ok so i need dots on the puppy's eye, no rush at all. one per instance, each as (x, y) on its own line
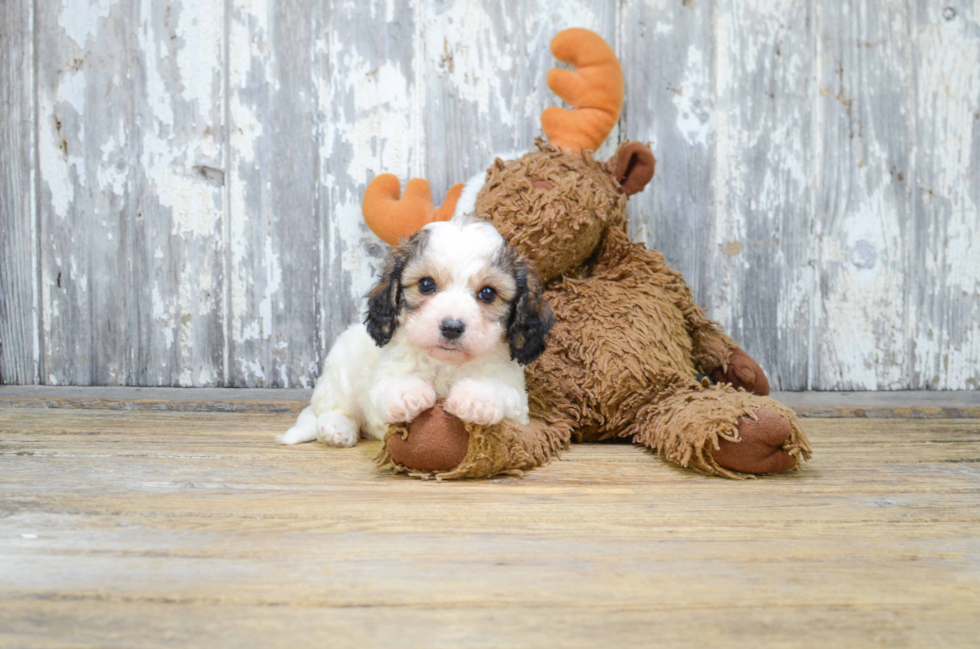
(427, 286)
(487, 294)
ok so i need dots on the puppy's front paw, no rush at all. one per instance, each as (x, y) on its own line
(474, 406)
(407, 402)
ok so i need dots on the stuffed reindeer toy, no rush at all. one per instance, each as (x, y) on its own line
(630, 353)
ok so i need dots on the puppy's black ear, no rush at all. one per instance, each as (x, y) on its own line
(530, 318)
(384, 300)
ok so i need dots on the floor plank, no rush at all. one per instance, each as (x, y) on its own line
(912, 404)
(190, 528)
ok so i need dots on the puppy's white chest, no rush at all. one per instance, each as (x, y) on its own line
(442, 377)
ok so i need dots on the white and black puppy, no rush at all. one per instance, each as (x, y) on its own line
(454, 315)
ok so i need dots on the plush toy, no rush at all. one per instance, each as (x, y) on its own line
(631, 352)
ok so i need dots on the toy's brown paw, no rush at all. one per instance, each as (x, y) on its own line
(760, 450)
(437, 441)
(743, 372)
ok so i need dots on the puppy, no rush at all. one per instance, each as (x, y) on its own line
(454, 315)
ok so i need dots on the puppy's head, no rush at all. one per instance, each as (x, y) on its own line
(459, 291)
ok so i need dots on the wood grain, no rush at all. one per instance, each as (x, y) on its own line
(667, 59)
(866, 91)
(762, 183)
(879, 405)
(181, 205)
(944, 257)
(193, 218)
(130, 152)
(187, 529)
(87, 108)
(273, 231)
(18, 240)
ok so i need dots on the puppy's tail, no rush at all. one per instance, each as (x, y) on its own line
(304, 430)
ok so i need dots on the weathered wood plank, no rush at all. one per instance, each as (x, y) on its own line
(158, 399)
(484, 75)
(865, 116)
(19, 342)
(88, 192)
(130, 125)
(91, 620)
(761, 251)
(179, 132)
(889, 405)
(369, 112)
(944, 264)
(667, 58)
(273, 231)
(200, 530)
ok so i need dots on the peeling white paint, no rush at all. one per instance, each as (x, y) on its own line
(458, 42)
(379, 130)
(273, 277)
(948, 103)
(695, 115)
(79, 19)
(57, 158)
(200, 33)
(162, 315)
(727, 180)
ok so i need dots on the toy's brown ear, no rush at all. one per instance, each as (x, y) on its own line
(634, 167)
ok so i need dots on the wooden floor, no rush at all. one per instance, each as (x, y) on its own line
(175, 526)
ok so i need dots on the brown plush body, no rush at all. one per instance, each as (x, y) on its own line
(629, 341)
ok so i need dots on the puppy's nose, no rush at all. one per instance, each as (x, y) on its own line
(451, 329)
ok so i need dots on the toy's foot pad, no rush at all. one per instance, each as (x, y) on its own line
(743, 372)
(760, 450)
(437, 441)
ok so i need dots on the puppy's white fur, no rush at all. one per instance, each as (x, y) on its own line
(364, 387)
(471, 189)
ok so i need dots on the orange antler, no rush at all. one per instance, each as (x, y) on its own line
(594, 90)
(393, 218)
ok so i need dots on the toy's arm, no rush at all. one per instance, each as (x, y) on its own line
(712, 350)
(711, 347)
(715, 354)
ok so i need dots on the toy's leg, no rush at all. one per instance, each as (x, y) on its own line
(720, 430)
(437, 445)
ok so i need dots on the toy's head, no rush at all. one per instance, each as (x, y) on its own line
(553, 204)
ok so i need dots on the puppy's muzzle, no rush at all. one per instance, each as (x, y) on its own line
(451, 329)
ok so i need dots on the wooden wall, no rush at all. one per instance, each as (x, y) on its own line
(180, 181)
